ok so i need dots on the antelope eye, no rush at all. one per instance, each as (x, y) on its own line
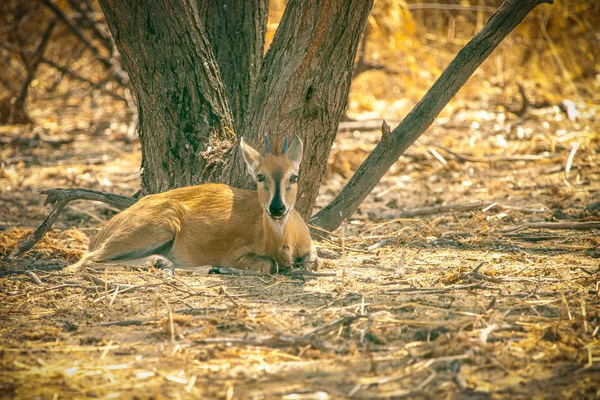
(260, 178)
(294, 178)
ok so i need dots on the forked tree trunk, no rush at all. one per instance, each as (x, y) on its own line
(195, 67)
(303, 86)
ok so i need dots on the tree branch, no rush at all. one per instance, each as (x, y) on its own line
(103, 37)
(64, 70)
(77, 32)
(32, 65)
(386, 153)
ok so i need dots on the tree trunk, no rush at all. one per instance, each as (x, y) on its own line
(185, 124)
(392, 145)
(303, 87)
(236, 31)
(194, 67)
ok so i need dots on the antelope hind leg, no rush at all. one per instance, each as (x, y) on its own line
(153, 261)
(127, 247)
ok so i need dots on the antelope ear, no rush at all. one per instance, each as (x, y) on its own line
(252, 158)
(294, 152)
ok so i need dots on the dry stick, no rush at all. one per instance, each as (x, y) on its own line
(331, 324)
(393, 145)
(33, 277)
(491, 159)
(39, 232)
(59, 198)
(555, 225)
(438, 290)
(283, 340)
(61, 286)
(128, 289)
(480, 205)
(302, 272)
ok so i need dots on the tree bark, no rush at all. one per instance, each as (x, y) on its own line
(393, 145)
(303, 87)
(185, 124)
(236, 32)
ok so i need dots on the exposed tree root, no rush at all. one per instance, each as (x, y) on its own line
(59, 198)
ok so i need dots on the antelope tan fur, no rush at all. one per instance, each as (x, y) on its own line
(215, 224)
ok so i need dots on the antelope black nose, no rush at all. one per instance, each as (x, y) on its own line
(277, 209)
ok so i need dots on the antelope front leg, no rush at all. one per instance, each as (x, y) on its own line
(309, 261)
(249, 264)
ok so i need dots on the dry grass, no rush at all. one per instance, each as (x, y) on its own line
(452, 304)
(473, 301)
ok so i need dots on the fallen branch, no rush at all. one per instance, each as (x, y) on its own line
(492, 159)
(593, 207)
(59, 198)
(480, 205)
(579, 226)
(54, 266)
(124, 289)
(267, 341)
(393, 145)
(535, 238)
(245, 272)
(128, 322)
(112, 286)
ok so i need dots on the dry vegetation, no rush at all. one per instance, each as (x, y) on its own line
(450, 281)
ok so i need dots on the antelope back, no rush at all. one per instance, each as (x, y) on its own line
(276, 176)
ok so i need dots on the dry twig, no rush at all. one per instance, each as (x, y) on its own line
(555, 225)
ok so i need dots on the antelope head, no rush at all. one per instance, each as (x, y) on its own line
(276, 176)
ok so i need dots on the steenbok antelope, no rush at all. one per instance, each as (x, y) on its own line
(214, 224)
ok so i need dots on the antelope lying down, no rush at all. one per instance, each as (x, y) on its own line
(214, 224)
